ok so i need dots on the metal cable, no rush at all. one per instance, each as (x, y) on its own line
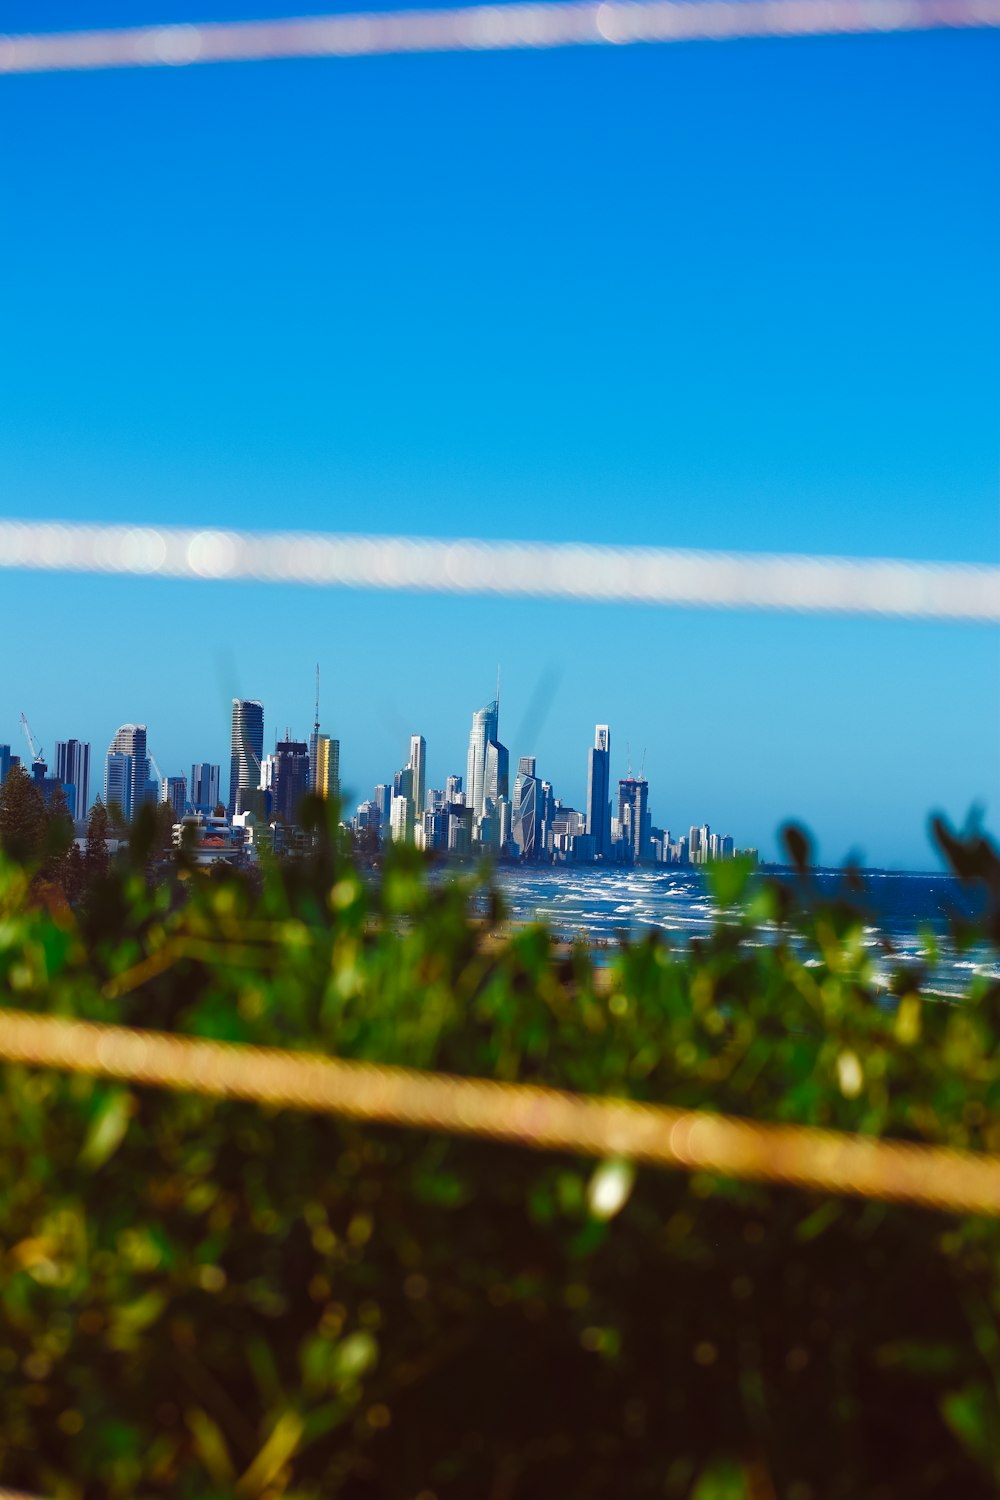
(631, 575)
(481, 28)
(539, 1118)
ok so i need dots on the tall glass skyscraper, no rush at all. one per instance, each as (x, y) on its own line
(327, 775)
(484, 729)
(205, 779)
(633, 816)
(118, 768)
(418, 765)
(130, 785)
(73, 770)
(496, 776)
(291, 779)
(599, 792)
(527, 814)
(247, 747)
(175, 792)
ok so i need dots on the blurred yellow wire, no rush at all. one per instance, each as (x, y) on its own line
(540, 1118)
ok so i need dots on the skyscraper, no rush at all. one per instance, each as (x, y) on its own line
(291, 779)
(247, 747)
(175, 792)
(6, 761)
(599, 792)
(484, 729)
(453, 789)
(401, 820)
(526, 812)
(402, 783)
(205, 779)
(383, 802)
(128, 785)
(326, 780)
(496, 775)
(418, 765)
(633, 817)
(73, 770)
(118, 781)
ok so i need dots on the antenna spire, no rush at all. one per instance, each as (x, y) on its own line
(498, 691)
(317, 698)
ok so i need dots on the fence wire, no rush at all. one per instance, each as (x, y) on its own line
(525, 1115)
(631, 575)
(482, 28)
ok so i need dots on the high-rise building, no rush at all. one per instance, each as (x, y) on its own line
(505, 824)
(129, 786)
(435, 825)
(418, 765)
(326, 779)
(383, 803)
(526, 820)
(73, 770)
(401, 820)
(453, 789)
(402, 783)
(205, 780)
(496, 774)
(694, 844)
(291, 779)
(366, 816)
(484, 729)
(599, 792)
(633, 817)
(118, 781)
(247, 747)
(459, 828)
(175, 792)
(6, 761)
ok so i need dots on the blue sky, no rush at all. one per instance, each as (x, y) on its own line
(724, 296)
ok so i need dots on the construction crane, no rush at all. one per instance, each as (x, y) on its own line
(37, 756)
(159, 774)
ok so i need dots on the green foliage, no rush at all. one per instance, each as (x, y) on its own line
(201, 1298)
(23, 824)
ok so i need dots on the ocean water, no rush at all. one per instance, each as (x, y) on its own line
(601, 904)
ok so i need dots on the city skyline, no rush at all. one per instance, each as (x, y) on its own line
(557, 735)
(272, 784)
(746, 300)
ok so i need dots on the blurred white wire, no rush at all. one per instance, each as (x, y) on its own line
(483, 28)
(625, 575)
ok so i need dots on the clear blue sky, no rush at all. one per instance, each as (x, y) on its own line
(734, 296)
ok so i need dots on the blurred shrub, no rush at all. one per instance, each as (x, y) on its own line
(203, 1298)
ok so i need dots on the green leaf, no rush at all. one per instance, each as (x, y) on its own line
(107, 1129)
(969, 1414)
(721, 1481)
(210, 1445)
(275, 1453)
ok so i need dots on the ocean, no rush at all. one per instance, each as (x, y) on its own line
(601, 904)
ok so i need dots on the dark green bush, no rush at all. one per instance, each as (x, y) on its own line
(203, 1298)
